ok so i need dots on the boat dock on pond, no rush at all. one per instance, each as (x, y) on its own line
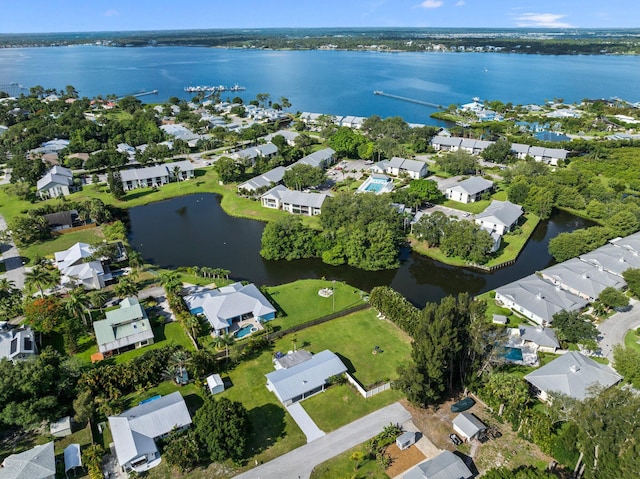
(410, 100)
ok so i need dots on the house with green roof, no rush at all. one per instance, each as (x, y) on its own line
(124, 329)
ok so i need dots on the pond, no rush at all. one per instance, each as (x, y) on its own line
(194, 231)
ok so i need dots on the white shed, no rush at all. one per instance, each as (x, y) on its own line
(62, 427)
(72, 458)
(405, 440)
(215, 384)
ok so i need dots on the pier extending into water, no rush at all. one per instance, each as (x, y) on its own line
(410, 100)
(140, 93)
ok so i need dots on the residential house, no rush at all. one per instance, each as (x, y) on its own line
(573, 375)
(445, 465)
(536, 338)
(227, 306)
(16, 344)
(474, 147)
(446, 143)
(612, 258)
(250, 155)
(150, 176)
(319, 159)
(296, 202)
(124, 328)
(36, 463)
(181, 132)
(58, 181)
(187, 171)
(288, 135)
(264, 181)
(62, 220)
(396, 166)
(582, 278)
(77, 268)
(136, 430)
(468, 426)
(304, 379)
(499, 216)
(537, 300)
(550, 156)
(469, 190)
(519, 150)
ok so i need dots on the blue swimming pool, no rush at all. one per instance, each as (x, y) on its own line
(513, 354)
(245, 331)
(376, 185)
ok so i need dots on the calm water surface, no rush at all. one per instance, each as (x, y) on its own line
(334, 82)
(195, 231)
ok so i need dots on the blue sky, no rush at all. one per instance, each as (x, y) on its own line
(20, 16)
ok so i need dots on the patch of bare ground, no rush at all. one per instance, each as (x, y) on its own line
(508, 450)
(402, 460)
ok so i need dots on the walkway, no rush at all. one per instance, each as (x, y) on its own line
(12, 260)
(300, 462)
(614, 328)
(304, 422)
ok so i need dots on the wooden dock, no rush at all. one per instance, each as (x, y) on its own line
(410, 100)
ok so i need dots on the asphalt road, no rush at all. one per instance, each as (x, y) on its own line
(12, 260)
(300, 462)
(613, 329)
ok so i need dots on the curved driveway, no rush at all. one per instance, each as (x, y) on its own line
(300, 462)
(614, 328)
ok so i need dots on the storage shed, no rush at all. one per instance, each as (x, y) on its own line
(215, 384)
(62, 427)
(405, 440)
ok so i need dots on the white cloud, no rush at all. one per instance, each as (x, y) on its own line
(111, 13)
(431, 4)
(460, 3)
(542, 20)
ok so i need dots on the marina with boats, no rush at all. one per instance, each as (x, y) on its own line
(212, 89)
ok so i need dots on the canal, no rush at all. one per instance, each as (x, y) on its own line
(194, 231)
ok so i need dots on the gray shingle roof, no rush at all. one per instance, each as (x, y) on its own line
(572, 374)
(451, 141)
(474, 185)
(312, 200)
(541, 336)
(445, 465)
(469, 424)
(36, 463)
(582, 276)
(306, 376)
(612, 258)
(501, 212)
(149, 172)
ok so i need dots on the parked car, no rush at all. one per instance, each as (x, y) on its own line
(455, 439)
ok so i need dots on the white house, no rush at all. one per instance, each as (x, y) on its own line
(136, 430)
(58, 181)
(77, 269)
(16, 344)
(396, 166)
(250, 155)
(270, 178)
(469, 190)
(157, 175)
(446, 143)
(534, 337)
(295, 202)
(288, 135)
(571, 374)
(468, 426)
(499, 216)
(320, 159)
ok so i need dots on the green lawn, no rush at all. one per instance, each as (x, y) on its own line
(342, 466)
(301, 303)
(164, 334)
(631, 340)
(62, 242)
(323, 407)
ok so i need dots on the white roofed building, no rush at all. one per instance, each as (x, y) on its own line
(58, 181)
(295, 202)
(499, 216)
(77, 268)
(395, 166)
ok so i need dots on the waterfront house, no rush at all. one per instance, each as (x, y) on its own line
(468, 426)
(573, 375)
(250, 155)
(612, 258)
(186, 172)
(469, 190)
(306, 378)
(499, 216)
(58, 181)
(262, 182)
(124, 328)
(38, 462)
(295, 202)
(445, 465)
(77, 268)
(156, 176)
(229, 306)
(582, 278)
(17, 343)
(534, 338)
(395, 166)
(537, 300)
(136, 430)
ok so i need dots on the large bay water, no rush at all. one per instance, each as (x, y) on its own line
(194, 231)
(334, 82)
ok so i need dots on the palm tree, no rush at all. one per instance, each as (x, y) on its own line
(7, 287)
(135, 260)
(126, 287)
(224, 341)
(268, 329)
(171, 282)
(176, 173)
(98, 298)
(77, 303)
(39, 277)
(177, 365)
(192, 323)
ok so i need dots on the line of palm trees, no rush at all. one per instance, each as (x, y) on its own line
(214, 273)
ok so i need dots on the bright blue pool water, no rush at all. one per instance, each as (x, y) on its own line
(513, 354)
(244, 331)
(375, 186)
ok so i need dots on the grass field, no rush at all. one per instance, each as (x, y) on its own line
(631, 340)
(343, 466)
